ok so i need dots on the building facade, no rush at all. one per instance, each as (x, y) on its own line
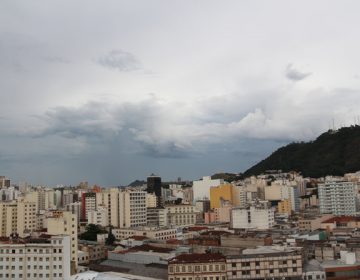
(337, 198)
(197, 267)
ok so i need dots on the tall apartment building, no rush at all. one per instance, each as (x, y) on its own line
(63, 222)
(156, 217)
(337, 198)
(44, 198)
(4, 182)
(132, 208)
(258, 216)
(181, 215)
(17, 217)
(40, 258)
(98, 217)
(75, 208)
(88, 204)
(110, 199)
(154, 186)
(151, 200)
(265, 262)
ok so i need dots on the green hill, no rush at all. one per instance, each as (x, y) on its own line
(332, 153)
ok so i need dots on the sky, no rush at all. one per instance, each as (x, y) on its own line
(112, 91)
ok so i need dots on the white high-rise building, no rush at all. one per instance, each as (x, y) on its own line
(337, 198)
(256, 216)
(201, 188)
(98, 217)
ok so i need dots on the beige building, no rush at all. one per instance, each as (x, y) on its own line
(17, 217)
(151, 200)
(265, 262)
(312, 223)
(197, 267)
(110, 199)
(63, 222)
(181, 215)
(132, 208)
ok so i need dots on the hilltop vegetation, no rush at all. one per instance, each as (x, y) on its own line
(332, 153)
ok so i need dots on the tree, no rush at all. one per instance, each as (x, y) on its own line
(91, 232)
(111, 238)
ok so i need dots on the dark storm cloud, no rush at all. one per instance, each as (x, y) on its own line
(294, 74)
(120, 60)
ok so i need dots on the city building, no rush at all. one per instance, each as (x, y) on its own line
(197, 266)
(46, 257)
(156, 217)
(17, 217)
(224, 192)
(154, 186)
(201, 188)
(284, 207)
(181, 215)
(88, 204)
(257, 216)
(98, 217)
(266, 262)
(132, 208)
(151, 233)
(337, 198)
(63, 222)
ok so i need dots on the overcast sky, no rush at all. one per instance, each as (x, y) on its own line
(111, 91)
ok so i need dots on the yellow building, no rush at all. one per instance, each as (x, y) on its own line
(222, 192)
(284, 207)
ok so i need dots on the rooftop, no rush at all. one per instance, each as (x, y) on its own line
(342, 219)
(197, 258)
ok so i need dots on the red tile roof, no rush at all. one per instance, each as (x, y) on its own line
(342, 219)
(197, 258)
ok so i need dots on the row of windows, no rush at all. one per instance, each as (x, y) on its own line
(199, 278)
(197, 268)
(13, 267)
(257, 263)
(271, 271)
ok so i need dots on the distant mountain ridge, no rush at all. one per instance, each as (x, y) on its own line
(332, 153)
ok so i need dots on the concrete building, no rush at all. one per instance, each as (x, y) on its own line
(151, 233)
(151, 200)
(98, 217)
(266, 262)
(337, 198)
(312, 223)
(88, 204)
(154, 186)
(110, 199)
(36, 258)
(75, 208)
(201, 188)
(181, 215)
(221, 193)
(17, 217)
(4, 182)
(256, 216)
(284, 207)
(63, 222)
(197, 266)
(132, 208)
(156, 217)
